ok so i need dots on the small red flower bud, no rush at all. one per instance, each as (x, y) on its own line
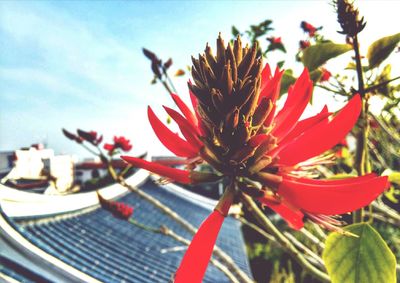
(304, 44)
(118, 209)
(326, 75)
(308, 28)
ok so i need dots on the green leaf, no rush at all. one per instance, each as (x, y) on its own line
(316, 55)
(381, 49)
(235, 31)
(366, 259)
(287, 80)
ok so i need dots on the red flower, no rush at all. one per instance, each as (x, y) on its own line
(118, 209)
(308, 28)
(326, 75)
(119, 143)
(275, 40)
(122, 143)
(304, 44)
(236, 130)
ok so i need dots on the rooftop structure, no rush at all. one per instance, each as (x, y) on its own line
(71, 239)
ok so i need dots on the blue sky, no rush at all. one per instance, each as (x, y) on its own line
(78, 64)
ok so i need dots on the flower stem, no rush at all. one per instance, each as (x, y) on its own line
(226, 200)
(361, 160)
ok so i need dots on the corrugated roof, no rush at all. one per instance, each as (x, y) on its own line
(113, 250)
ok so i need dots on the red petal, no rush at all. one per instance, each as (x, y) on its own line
(170, 140)
(271, 87)
(292, 216)
(178, 175)
(322, 136)
(196, 258)
(296, 102)
(108, 146)
(305, 124)
(195, 102)
(265, 76)
(189, 131)
(332, 196)
(185, 110)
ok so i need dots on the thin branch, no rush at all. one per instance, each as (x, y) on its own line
(330, 89)
(312, 257)
(374, 87)
(312, 238)
(384, 127)
(305, 249)
(283, 241)
(387, 211)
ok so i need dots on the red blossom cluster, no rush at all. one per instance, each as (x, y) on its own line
(308, 28)
(235, 127)
(118, 209)
(119, 143)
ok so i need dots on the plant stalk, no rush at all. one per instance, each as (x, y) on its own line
(286, 244)
(361, 160)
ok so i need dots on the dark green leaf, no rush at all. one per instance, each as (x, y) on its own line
(366, 259)
(381, 49)
(280, 64)
(235, 31)
(287, 80)
(316, 55)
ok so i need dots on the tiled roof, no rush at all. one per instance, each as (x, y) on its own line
(113, 250)
(11, 269)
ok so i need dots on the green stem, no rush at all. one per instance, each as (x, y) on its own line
(285, 243)
(164, 83)
(330, 90)
(89, 149)
(126, 169)
(373, 87)
(361, 162)
(226, 200)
